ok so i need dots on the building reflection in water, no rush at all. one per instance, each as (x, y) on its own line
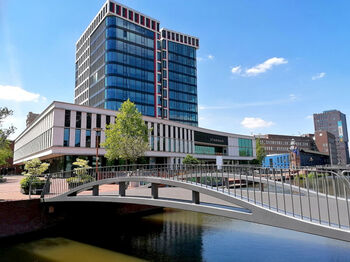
(172, 235)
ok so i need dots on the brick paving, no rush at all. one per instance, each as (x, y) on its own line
(10, 190)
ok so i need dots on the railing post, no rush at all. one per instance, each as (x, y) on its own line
(227, 185)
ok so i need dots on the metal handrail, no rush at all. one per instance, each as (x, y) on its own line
(321, 198)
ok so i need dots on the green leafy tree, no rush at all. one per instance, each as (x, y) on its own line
(81, 172)
(5, 153)
(5, 150)
(82, 166)
(190, 160)
(33, 168)
(260, 151)
(127, 138)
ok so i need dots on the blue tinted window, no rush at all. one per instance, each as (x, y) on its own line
(66, 137)
(77, 137)
(111, 32)
(88, 138)
(111, 20)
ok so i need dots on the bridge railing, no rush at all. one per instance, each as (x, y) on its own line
(315, 195)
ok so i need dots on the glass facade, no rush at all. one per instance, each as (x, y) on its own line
(245, 147)
(204, 150)
(182, 78)
(129, 65)
(128, 57)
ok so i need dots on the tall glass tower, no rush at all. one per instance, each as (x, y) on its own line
(179, 74)
(123, 55)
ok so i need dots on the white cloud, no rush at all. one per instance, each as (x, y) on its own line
(263, 67)
(208, 57)
(236, 70)
(292, 97)
(258, 69)
(18, 94)
(309, 117)
(319, 75)
(255, 122)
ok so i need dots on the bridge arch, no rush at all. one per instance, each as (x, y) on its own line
(246, 210)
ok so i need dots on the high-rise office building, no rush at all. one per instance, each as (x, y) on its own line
(334, 122)
(123, 54)
(326, 143)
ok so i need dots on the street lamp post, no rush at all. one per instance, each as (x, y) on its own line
(97, 142)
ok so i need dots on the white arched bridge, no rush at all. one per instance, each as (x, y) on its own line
(313, 201)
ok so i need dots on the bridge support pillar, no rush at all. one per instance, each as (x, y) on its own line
(95, 190)
(195, 197)
(122, 188)
(154, 191)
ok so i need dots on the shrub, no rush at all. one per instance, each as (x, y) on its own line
(81, 179)
(35, 181)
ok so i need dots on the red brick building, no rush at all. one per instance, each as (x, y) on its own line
(326, 143)
(278, 144)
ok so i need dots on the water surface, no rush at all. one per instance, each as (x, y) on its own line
(175, 236)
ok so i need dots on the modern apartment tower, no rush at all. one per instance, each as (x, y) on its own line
(334, 122)
(123, 54)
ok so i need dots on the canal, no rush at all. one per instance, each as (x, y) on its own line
(172, 235)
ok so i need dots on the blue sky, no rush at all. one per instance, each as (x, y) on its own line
(263, 66)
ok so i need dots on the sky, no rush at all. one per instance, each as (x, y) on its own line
(264, 67)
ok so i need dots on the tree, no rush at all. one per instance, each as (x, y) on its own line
(260, 151)
(81, 172)
(127, 138)
(5, 150)
(5, 153)
(82, 166)
(190, 160)
(35, 167)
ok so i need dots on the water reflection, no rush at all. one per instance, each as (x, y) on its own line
(62, 250)
(179, 236)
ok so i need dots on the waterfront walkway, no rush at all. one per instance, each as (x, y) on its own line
(10, 190)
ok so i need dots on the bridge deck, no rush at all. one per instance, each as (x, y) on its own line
(313, 203)
(284, 201)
